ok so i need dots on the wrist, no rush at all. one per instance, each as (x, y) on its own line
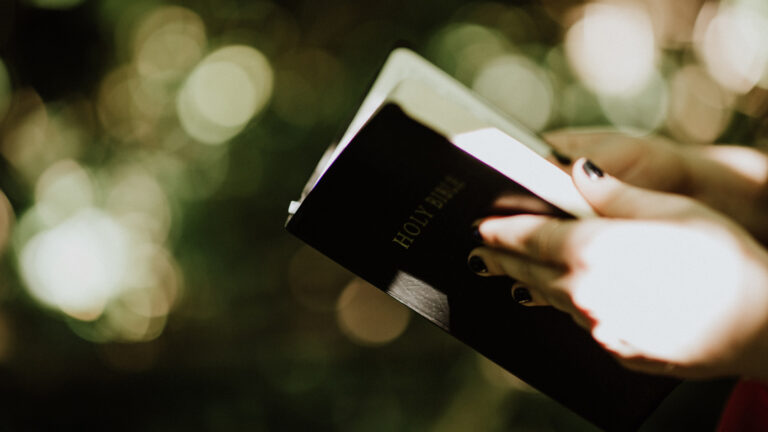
(730, 179)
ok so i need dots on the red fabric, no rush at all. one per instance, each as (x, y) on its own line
(747, 408)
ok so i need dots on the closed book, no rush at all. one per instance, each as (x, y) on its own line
(395, 201)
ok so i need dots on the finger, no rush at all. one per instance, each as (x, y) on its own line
(621, 154)
(560, 158)
(611, 197)
(536, 237)
(644, 365)
(612, 342)
(533, 297)
(492, 262)
(582, 320)
(545, 285)
(527, 296)
(561, 151)
(660, 367)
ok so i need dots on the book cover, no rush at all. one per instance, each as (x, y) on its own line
(396, 207)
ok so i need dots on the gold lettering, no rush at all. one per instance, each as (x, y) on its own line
(420, 210)
(411, 228)
(403, 240)
(458, 184)
(442, 192)
(419, 219)
(423, 221)
(434, 201)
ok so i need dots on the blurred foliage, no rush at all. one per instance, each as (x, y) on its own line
(150, 150)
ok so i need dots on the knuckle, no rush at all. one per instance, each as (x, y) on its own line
(522, 270)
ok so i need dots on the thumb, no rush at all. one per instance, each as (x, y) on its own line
(611, 197)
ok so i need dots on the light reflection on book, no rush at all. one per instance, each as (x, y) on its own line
(523, 165)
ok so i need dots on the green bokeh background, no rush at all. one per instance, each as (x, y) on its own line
(240, 350)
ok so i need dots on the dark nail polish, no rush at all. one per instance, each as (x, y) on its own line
(592, 170)
(561, 158)
(522, 295)
(476, 236)
(477, 265)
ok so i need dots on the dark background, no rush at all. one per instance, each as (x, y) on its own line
(245, 328)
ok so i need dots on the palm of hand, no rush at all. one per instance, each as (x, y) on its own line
(674, 305)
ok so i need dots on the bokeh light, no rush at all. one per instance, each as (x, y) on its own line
(733, 44)
(142, 257)
(612, 47)
(191, 172)
(316, 281)
(138, 201)
(309, 88)
(39, 134)
(579, 106)
(517, 24)
(644, 110)
(699, 108)
(136, 100)
(224, 91)
(139, 309)
(168, 42)
(368, 316)
(55, 4)
(518, 87)
(216, 89)
(130, 107)
(77, 266)
(673, 21)
(128, 318)
(62, 190)
(25, 140)
(92, 247)
(461, 48)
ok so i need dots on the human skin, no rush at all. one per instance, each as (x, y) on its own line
(731, 179)
(665, 283)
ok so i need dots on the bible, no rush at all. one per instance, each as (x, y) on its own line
(394, 201)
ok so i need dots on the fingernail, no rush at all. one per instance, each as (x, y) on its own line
(476, 236)
(521, 295)
(561, 158)
(477, 265)
(592, 170)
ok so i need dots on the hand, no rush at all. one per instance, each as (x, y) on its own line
(648, 162)
(731, 179)
(664, 283)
